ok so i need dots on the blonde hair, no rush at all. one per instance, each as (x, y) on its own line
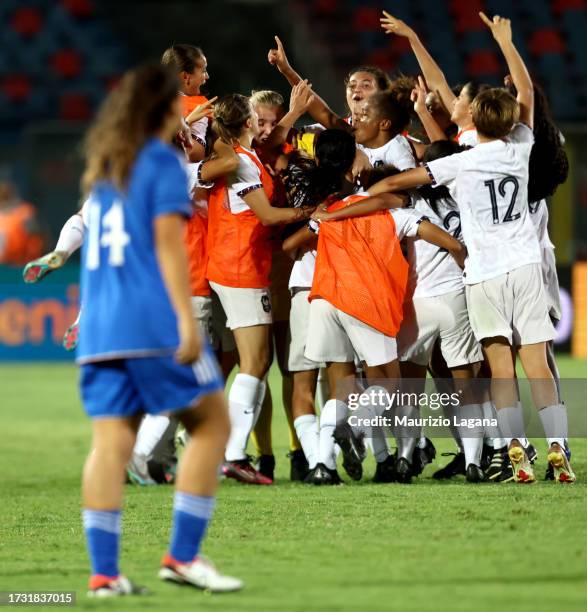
(134, 111)
(495, 112)
(266, 97)
(231, 113)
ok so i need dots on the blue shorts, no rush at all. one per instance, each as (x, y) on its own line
(153, 385)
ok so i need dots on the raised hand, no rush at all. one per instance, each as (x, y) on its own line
(500, 27)
(301, 97)
(392, 25)
(278, 58)
(418, 96)
(201, 111)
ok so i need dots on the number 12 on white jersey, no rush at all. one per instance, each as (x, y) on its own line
(110, 233)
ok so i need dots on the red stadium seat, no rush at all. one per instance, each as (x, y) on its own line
(67, 63)
(79, 8)
(546, 41)
(27, 21)
(326, 7)
(381, 58)
(74, 107)
(16, 87)
(367, 19)
(560, 6)
(483, 63)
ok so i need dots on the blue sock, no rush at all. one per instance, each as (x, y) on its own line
(191, 515)
(102, 529)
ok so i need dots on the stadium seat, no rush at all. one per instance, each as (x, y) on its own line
(366, 19)
(67, 63)
(547, 40)
(16, 87)
(560, 6)
(27, 21)
(483, 64)
(74, 107)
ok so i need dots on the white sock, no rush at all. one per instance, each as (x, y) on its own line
(498, 443)
(259, 402)
(489, 412)
(405, 436)
(306, 427)
(422, 442)
(450, 412)
(511, 424)
(242, 404)
(328, 420)
(471, 437)
(555, 423)
(322, 388)
(71, 236)
(150, 432)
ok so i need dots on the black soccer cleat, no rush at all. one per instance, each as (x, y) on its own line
(475, 474)
(325, 476)
(403, 471)
(486, 456)
(266, 465)
(549, 475)
(299, 467)
(500, 469)
(422, 457)
(385, 470)
(455, 467)
(531, 453)
(353, 450)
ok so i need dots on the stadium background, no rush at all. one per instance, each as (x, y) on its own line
(60, 57)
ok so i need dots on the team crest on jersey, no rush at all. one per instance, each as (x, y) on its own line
(266, 303)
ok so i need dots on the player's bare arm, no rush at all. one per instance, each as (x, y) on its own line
(172, 258)
(418, 97)
(259, 203)
(435, 235)
(368, 206)
(501, 29)
(433, 75)
(402, 181)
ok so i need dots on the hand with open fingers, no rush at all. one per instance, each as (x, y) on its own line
(418, 96)
(277, 57)
(392, 25)
(301, 97)
(190, 342)
(201, 111)
(320, 214)
(500, 27)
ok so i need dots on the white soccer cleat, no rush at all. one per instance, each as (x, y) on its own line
(200, 573)
(116, 587)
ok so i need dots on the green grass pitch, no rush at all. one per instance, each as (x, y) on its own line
(425, 547)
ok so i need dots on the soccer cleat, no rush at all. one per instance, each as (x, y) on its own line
(243, 471)
(422, 457)
(475, 474)
(299, 467)
(162, 472)
(37, 269)
(486, 456)
(385, 470)
(353, 450)
(523, 472)
(403, 471)
(102, 586)
(455, 467)
(561, 468)
(500, 469)
(549, 475)
(71, 336)
(532, 453)
(325, 476)
(266, 466)
(199, 573)
(137, 471)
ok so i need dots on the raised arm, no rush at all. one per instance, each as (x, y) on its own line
(402, 181)
(428, 122)
(433, 75)
(367, 206)
(259, 203)
(318, 109)
(501, 29)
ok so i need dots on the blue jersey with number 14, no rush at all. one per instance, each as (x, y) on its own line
(126, 311)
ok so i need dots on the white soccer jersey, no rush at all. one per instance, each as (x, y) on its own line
(396, 152)
(468, 137)
(433, 271)
(490, 186)
(539, 216)
(246, 178)
(302, 272)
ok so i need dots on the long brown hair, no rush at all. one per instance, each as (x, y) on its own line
(182, 58)
(133, 112)
(230, 115)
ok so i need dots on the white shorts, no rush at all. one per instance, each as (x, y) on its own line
(512, 305)
(444, 316)
(550, 279)
(299, 319)
(334, 336)
(202, 313)
(244, 307)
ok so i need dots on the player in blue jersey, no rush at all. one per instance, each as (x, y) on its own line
(139, 349)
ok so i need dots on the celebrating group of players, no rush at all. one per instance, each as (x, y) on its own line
(340, 247)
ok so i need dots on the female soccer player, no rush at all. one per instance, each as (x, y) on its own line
(240, 251)
(139, 350)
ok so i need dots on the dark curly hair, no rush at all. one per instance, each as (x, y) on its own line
(381, 77)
